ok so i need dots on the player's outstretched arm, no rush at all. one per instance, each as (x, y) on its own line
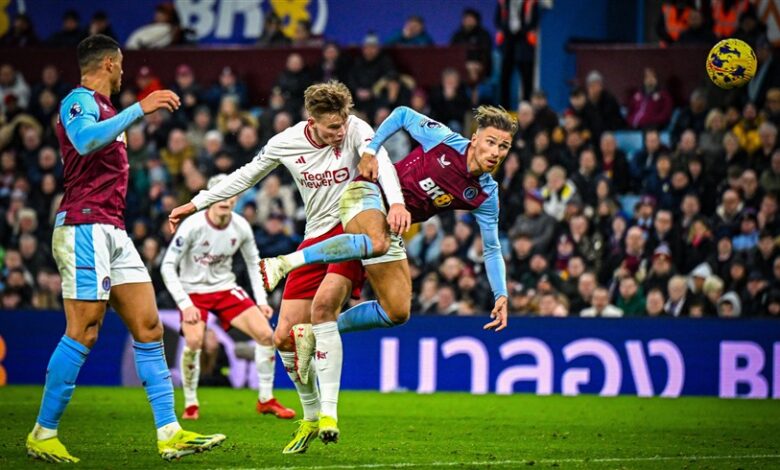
(487, 218)
(80, 116)
(235, 183)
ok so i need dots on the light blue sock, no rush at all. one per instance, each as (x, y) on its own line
(364, 316)
(339, 248)
(61, 374)
(156, 379)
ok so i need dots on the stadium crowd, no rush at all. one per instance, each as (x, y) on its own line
(637, 208)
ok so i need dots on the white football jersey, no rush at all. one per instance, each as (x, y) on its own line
(199, 259)
(320, 172)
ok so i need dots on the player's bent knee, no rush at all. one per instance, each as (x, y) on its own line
(149, 331)
(380, 244)
(323, 311)
(398, 313)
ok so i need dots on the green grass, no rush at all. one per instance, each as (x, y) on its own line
(112, 428)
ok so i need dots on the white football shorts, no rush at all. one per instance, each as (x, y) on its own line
(362, 196)
(93, 257)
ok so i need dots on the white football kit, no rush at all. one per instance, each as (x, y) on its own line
(199, 259)
(321, 173)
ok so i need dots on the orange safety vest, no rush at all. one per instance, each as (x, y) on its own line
(725, 23)
(675, 23)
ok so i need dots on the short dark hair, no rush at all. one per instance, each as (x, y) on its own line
(95, 48)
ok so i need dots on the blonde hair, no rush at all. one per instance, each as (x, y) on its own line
(332, 97)
(498, 117)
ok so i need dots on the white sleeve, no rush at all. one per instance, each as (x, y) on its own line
(252, 261)
(240, 180)
(388, 177)
(169, 269)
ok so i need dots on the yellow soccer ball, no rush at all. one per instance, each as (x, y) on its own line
(731, 63)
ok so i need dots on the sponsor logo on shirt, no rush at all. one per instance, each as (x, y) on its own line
(430, 124)
(300, 160)
(208, 259)
(326, 178)
(443, 161)
(438, 196)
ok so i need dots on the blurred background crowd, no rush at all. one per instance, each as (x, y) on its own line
(609, 207)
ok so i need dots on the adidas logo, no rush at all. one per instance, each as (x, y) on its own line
(300, 160)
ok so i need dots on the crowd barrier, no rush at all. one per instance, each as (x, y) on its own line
(642, 356)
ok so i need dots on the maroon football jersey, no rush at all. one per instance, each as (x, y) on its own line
(95, 183)
(437, 181)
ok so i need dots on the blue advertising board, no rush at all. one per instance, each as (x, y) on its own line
(241, 22)
(644, 357)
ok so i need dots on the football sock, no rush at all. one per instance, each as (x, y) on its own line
(364, 316)
(156, 379)
(190, 374)
(61, 374)
(264, 362)
(328, 359)
(308, 393)
(333, 250)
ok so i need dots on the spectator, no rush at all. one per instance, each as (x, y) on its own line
(412, 34)
(698, 245)
(698, 32)
(585, 111)
(650, 106)
(146, 82)
(293, 80)
(228, 85)
(21, 34)
(200, 125)
(272, 35)
(535, 222)
(772, 109)
(303, 36)
(678, 304)
(607, 107)
(600, 306)
(71, 33)
(479, 86)
(673, 21)
(275, 198)
(729, 306)
(12, 83)
(654, 306)
(176, 152)
(694, 116)
(746, 129)
(630, 299)
(756, 296)
(446, 301)
(393, 91)
(751, 191)
(101, 24)
(727, 15)
(231, 118)
(449, 102)
(747, 237)
(767, 74)
(661, 270)
(333, 66)
(517, 24)
(761, 157)
(544, 117)
(368, 68)
(475, 37)
(426, 299)
(713, 291)
(614, 163)
(164, 31)
(767, 215)
(189, 91)
(273, 239)
(586, 286)
(557, 192)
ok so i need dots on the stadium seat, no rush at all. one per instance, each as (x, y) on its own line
(629, 141)
(628, 202)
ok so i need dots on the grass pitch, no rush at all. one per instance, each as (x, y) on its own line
(112, 428)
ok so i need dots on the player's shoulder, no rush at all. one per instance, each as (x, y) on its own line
(192, 224)
(290, 135)
(78, 101)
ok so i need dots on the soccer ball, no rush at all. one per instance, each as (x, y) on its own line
(731, 63)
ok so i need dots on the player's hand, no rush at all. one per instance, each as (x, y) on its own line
(191, 315)
(369, 166)
(160, 99)
(399, 219)
(180, 213)
(498, 315)
(266, 310)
